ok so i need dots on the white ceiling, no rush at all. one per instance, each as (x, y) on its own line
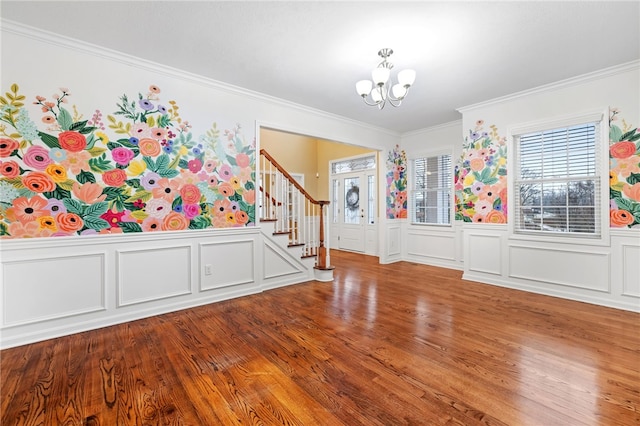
(312, 53)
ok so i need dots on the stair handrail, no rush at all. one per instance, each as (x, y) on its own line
(321, 262)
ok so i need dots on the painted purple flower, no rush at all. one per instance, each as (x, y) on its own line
(56, 206)
(177, 208)
(150, 181)
(134, 141)
(477, 187)
(234, 206)
(122, 156)
(162, 109)
(145, 104)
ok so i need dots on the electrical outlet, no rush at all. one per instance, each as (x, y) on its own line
(207, 269)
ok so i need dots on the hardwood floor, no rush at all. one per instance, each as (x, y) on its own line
(380, 345)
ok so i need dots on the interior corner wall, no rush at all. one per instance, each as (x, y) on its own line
(57, 286)
(602, 274)
(432, 245)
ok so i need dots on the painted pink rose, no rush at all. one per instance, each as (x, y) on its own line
(122, 155)
(37, 157)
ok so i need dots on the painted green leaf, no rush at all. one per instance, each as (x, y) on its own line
(50, 141)
(129, 227)
(613, 194)
(633, 178)
(3, 229)
(627, 135)
(58, 193)
(87, 130)
(96, 223)
(64, 119)
(67, 184)
(615, 133)
(199, 222)
(151, 165)
(84, 177)
(73, 206)
(624, 204)
(143, 195)
(176, 202)
(168, 173)
(97, 209)
(100, 164)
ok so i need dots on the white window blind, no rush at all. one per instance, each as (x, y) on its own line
(557, 181)
(431, 190)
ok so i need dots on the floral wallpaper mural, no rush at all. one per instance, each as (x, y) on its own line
(480, 177)
(139, 169)
(624, 173)
(397, 184)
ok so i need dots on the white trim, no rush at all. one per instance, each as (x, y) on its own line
(599, 115)
(418, 132)
(573, 81)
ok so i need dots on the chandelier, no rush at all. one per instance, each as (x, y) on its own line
(380, 91)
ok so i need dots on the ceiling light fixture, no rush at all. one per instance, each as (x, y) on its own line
(380, 90)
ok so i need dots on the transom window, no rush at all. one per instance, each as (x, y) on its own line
(431, 190)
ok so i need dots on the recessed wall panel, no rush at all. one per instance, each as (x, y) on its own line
(556, 266)
(50, 288)
(153, 274)
(631, 270)
(226, 263)
(431, 245)
(484, 253)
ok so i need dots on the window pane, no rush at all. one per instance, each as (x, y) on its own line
(557, 180)
(431, 193)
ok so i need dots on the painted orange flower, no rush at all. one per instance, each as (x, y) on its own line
(114, 177)
(241, 217)
(151, 224)
(149, 147)
(29, 209)
(48, 222)
(632, 191)
(226, 189)
(624, 149)
(69, 222)
(249, 196)
(38, 182)
(57, 172)
(7, 146)
(174, 222)
(9, 169)
(620, 218)
(27, 230)
(220, 207)
(77, 162)
(166, 189)
(495, 216)
(72, 141)
(90, 193)
(476, 164)
(190, 194)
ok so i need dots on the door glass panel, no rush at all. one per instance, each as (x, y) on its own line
(352, 200)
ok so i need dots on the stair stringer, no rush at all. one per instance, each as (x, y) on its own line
(282, 265)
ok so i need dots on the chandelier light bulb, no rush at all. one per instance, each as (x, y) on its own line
(381, 90)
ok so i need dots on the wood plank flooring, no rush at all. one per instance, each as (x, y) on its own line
(399, 344)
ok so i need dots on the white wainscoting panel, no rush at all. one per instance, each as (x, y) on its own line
(483, 252)
(631, 270)
(52, 287)
(149, 274)
(226, 263)
(393, 240)
(431, 244)
(558, 266)
(276, 264)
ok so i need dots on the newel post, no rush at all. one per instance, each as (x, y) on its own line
(322, 250)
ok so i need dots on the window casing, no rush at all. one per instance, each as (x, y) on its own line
(558, 180)
(431, 190)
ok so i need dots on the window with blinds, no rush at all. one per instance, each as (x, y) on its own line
(431, 190)
(557, 181)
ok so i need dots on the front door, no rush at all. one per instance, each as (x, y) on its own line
(355, 197)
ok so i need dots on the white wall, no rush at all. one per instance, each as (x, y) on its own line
(432, 244)
(57, 286)
(606, 274)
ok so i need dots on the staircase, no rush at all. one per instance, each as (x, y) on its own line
(291, 218)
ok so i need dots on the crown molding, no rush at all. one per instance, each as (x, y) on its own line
(59, 40)
(455, 123)
(573, 81)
